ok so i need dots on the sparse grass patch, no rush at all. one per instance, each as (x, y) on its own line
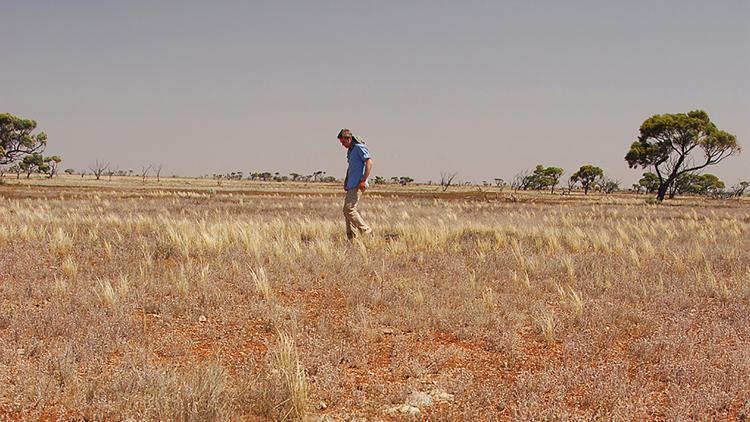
(545, 324)
(288, 363)
(262, 285)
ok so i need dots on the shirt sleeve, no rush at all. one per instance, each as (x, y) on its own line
(363, 152)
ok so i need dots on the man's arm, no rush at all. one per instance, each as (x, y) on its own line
(368, 169)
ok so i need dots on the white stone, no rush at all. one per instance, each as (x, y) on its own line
(441, 395)
(418, 398)
(404, 409)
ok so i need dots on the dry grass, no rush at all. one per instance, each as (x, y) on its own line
(153, 302)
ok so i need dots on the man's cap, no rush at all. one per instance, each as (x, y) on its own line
(342, 131)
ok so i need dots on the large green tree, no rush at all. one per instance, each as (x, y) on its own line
(649, 182)
(588, 176)
(33, 163)
(541, 178)
(17, 139)
(52, 162)
(548, 177)
(707, 184)
(698, 184)
(675, 144)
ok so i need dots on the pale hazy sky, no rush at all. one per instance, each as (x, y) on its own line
(484, 88)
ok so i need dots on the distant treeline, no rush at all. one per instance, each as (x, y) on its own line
(673, 148)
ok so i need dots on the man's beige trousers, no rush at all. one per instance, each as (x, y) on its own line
(355, 225)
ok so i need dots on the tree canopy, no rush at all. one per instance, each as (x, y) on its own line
(588, 176)
(17, 139)
(541, 178)
(697, 184)
(33, 163)
(675, 144)
(649, 182)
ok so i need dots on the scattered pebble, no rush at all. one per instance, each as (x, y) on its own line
(202, 318)
(440, 395)
(418, 398)
(404, 409)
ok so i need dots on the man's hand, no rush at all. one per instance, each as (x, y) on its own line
(368, 169)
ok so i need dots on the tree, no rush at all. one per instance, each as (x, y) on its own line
(405, 180)
(541, 178)
(97, 169)
(158, 168)
(538, 178)
(522, 180)
(707, 184)
(69, 171)
(379, 180)
(17, 140)
(16, 168)
(669, 144)
(703, 184)
(550, 176)
(52, 162)
(32, 163)
(571, 183)
(588, 176)
(610, 185)
(680, 185)
(111, 171)
(739, 189)
(446, 179)
(649, 182)
(145, 169)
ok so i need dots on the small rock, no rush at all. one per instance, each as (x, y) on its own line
(202, 318)
(404, 409)
(387, 330)
(21, 351)
(441, 395)
(322, 405)
(419, 398)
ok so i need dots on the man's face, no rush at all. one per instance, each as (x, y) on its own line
(346, 140)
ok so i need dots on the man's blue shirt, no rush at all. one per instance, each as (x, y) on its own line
(357, 155)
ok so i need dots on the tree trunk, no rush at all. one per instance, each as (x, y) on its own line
(662, 191)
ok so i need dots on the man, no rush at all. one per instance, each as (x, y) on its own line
(360, 166)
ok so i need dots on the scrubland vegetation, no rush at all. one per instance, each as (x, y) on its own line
(251, 305)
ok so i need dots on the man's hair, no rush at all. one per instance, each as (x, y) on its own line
(344, 131)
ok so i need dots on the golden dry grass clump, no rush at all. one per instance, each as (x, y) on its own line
(179, 304)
